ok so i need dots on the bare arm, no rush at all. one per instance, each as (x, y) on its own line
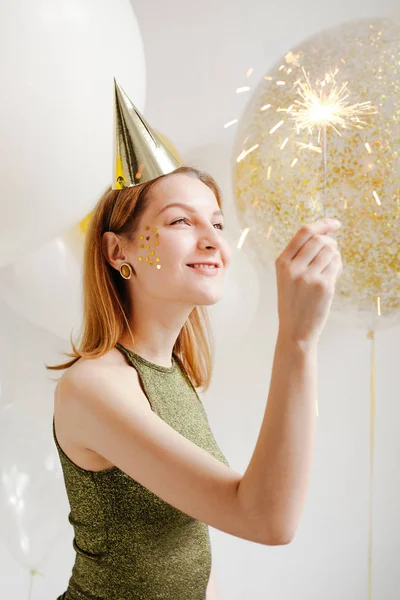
(274, 486)
(111, 419)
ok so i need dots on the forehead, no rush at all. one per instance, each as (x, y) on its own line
(185, 189)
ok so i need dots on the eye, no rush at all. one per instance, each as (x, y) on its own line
(178, 221)
(220, 225)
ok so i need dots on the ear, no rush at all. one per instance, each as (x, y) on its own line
(112, 249)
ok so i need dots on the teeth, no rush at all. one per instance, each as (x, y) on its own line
(204, 266)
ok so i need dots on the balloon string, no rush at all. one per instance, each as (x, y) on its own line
(371, 336)
(32, 574)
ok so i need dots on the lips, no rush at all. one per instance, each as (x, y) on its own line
(216, 265)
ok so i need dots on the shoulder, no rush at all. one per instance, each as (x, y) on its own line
(88, 381)
(87, 371)
(89, 378)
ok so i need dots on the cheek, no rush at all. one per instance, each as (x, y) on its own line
(156, 249)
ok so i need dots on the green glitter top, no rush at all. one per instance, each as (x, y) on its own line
(129, 543)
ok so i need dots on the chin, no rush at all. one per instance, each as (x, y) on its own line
(208, 300)
(202, 295)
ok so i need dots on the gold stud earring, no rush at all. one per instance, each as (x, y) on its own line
(125, 270)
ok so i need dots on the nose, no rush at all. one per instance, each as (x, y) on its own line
(209, 238)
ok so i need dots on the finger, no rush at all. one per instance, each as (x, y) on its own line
(313, 248)
(323, 226)
(322, 260)
(334, 269)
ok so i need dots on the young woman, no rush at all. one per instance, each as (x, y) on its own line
(143, 472)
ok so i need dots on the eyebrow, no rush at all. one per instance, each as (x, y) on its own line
(187, 207)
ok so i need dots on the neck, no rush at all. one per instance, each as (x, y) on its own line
(155, 331)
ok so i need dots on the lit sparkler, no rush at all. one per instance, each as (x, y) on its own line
(326, 106)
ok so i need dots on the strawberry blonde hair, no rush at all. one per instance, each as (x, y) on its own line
(105, 297)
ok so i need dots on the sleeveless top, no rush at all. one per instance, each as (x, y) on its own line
(129, 543)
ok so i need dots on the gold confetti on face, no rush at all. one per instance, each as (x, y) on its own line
(148, 259)
(279, 174)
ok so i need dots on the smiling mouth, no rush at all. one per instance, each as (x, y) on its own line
(209, 268)
(215, 265)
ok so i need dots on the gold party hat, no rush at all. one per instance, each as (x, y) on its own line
(140, 155)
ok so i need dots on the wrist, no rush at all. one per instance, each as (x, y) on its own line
(309, 346)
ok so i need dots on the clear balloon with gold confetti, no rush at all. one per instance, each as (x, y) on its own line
(320, 137)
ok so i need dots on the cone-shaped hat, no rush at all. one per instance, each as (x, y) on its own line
(140, 155)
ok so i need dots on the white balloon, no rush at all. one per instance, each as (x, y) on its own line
(46, 287)
(57, 68)
(31, 517)
(24, 350)
(33, 503)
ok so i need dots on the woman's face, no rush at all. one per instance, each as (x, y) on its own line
(169, 238)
